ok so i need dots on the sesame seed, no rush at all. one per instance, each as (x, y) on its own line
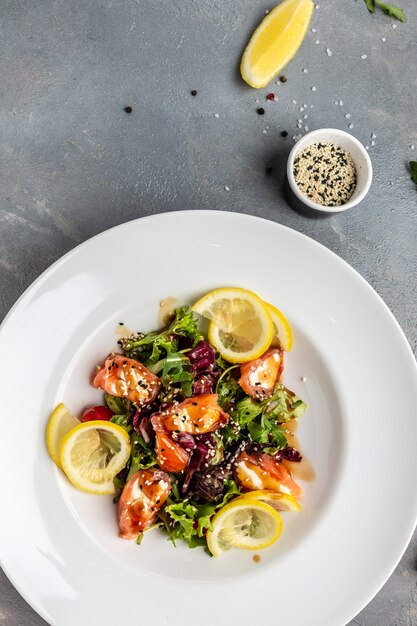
(364, 56)
(314, 88)
(216, 115)
(325, 173)
(329, 52)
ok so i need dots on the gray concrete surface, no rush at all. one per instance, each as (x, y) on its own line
(73, 163)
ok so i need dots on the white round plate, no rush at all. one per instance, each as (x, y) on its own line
(60, 546)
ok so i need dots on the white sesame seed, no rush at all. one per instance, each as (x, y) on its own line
(306, 128)
(341, 103)
(317, 42)
(266, 11)
(329, 52)
(366, 147)
(373, 136)
(314, 88)
(364, 56)
(336, 102)
(372, 143)
(227, 188)
(383, 39)
(264, 131)
(350, 126)
(317, 6)
(347, 116)
(299, 125)
(305, 71)
(311, 106)
(412, 147)
(300, 121)
(314, 30)
(394, 26)
(216, 115)
(305, 117)
(301, 108)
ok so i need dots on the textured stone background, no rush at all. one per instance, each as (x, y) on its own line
(73, 163)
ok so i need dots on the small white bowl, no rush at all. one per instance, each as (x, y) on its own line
(356, 150)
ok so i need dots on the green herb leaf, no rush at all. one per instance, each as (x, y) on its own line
(388, 9)
(413, 168)
(149, 348)
(185, 325)
(139, 539)
(142, 455)
(125, 421)
(119, 406)
(189, 521)
(392, 10)
(370, 4)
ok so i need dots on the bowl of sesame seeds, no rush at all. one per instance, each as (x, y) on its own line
(329, 170)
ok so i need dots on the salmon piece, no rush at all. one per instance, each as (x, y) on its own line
(142, 497)
(259, 377)
(127, 378)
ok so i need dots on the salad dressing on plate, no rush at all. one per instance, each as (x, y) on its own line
(166, 311)
(303, 470)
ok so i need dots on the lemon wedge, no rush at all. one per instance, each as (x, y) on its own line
(275, 42)
(278, 501)
(244, 523)
(282, 329)
(240, 327)
(93, 453)
(60, 422)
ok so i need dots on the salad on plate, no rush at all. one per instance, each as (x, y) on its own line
(192, 435)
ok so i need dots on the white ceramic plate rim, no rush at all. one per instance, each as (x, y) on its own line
(385, 572)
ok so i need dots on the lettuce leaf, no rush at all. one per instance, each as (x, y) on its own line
(189, 521)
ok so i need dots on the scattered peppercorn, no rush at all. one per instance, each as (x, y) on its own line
(128, 109)
(284, 133)
(268, 170)
(260, 111)
(256, 558)
(194, 92)
(283, 79)
(271, 96)
(326, 174)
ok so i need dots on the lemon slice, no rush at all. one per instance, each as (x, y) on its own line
(275, 42)
(241, 327)
(244, 523)
(278, 501)
(60, 422)
(282, 328)
(93, 453)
